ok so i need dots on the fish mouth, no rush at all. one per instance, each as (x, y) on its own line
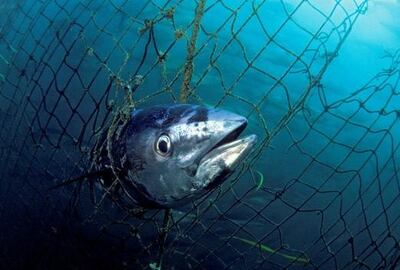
(222, 158)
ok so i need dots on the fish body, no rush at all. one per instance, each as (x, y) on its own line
(165, 156)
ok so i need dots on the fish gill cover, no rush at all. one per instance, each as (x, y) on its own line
(320, 190)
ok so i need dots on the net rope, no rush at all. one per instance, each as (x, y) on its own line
(320, 191)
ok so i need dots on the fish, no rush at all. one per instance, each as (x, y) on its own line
(168, 155)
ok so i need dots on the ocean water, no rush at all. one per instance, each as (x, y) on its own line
(317, 80)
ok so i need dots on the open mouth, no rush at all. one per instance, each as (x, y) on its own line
(230, 149)
(231, 142)
(231, 136)
(225, 155)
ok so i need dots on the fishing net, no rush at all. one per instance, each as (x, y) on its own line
(320, 191)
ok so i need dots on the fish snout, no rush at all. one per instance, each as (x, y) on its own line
(227, 150)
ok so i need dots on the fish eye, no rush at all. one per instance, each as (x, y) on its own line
(163, 145)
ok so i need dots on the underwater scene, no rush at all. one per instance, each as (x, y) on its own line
(200, 134)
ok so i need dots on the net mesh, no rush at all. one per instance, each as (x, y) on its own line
(330, 199)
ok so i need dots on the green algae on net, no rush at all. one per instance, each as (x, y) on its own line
(261, 181)
(301, 259)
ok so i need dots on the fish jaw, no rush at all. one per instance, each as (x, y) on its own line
(221, 161)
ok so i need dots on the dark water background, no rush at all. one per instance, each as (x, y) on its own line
(331, 188)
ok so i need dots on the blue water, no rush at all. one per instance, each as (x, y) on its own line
(317, 80)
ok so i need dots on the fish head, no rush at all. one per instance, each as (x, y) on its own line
(181, 152)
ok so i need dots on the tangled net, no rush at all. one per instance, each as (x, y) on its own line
(71, 70)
